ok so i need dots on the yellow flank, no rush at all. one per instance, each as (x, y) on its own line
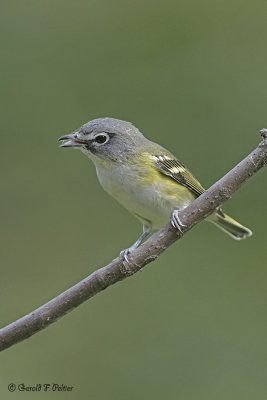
(180, 192)
(149, 174)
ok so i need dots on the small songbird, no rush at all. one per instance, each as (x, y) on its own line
(145, 178)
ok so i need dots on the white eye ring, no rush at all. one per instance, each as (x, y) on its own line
(101, 138)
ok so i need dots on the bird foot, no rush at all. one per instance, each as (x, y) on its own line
(124, 256)
(176, 222)
(125, 260)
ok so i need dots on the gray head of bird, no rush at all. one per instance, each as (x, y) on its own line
(105, 138)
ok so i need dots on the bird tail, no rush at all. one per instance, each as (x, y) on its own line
(230, 226)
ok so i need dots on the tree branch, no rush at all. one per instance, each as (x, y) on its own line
(146, 253)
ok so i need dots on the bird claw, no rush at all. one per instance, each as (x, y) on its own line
(125, 260)
(124, 256)
(176, 222)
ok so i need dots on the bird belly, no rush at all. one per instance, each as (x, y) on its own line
(150, 200)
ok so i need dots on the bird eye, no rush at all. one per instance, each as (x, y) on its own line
(101, 139)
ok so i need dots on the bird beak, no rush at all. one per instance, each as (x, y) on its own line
(71, 140)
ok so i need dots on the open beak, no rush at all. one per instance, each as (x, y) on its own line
(71, 141)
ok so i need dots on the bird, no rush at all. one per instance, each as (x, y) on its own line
(144, 177)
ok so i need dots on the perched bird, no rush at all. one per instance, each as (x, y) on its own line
(145, 178)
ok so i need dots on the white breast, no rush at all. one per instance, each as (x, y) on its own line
(125, 184)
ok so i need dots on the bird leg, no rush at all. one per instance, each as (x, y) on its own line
(124, 253)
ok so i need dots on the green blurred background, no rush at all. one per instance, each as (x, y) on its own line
(191, 75)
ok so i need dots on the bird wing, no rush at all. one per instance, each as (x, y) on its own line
(178, 172)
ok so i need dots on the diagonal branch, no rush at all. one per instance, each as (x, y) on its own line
(117, 270)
